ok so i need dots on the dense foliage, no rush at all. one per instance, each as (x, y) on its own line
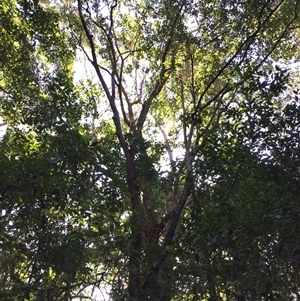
(151, 149)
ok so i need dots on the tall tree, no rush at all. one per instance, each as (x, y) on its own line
(165, 184)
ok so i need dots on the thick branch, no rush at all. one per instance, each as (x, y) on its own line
(147, 104)
(162, 76)
(178, 210)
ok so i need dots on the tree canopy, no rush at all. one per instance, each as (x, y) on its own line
(150, 149)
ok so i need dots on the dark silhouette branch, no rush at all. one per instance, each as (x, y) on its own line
(163, 76)
(110, 95)
(247, 42)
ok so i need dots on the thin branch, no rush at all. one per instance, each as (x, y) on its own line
(246, 43)
(278, 40)
(235, 55)
(121, 89)
(170, 152)
(110, 96)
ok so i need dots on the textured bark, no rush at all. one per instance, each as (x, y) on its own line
(136, 228)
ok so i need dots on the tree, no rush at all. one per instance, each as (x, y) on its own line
(167, 181)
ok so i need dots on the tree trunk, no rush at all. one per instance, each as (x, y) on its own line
(136, 228)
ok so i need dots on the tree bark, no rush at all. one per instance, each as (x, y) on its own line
(136, 228)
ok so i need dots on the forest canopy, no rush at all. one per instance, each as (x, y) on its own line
(149, 150)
